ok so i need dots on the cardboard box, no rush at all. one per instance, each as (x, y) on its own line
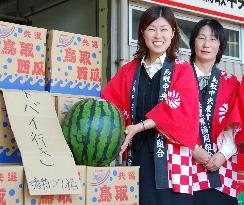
(64, 104)
(22, 54)
(60, 199)
(74, 64)
(11, 185)
(112, 185)
(9, 151)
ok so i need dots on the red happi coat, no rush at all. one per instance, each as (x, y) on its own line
(225, 114)
(240, 136)
(178, 117)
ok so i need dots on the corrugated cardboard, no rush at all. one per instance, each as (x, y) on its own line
(64, 104)
(112, 185)
(22, 54)
(11, 185)
(9, 151)
(76, 199)
(48, 162)
(74, 64)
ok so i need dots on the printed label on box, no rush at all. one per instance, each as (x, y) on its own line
(113, 185)
(11, 185)
(22, 53)
(74, 64)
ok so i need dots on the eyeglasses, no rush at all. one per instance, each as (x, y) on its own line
(210, 39)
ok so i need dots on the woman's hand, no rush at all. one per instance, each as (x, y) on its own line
(201, 156)
(130, 131)
(215, 162)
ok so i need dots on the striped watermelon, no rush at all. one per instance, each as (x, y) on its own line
(94, 131)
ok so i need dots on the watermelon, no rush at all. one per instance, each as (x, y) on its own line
(94, 131)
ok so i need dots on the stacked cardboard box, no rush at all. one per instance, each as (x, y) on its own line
(100, 185)
(112, 185)
(74, 64)
(64, 104)
(22, 53)
(11, 185)
(73, 72)
(9, 152)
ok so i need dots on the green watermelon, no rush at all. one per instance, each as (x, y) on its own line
(94, 131)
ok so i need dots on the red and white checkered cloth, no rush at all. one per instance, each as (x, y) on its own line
(180, 168)
(228, 176)
(185, 176)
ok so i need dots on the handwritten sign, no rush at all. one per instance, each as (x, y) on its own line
(69, 199)
(48, 162)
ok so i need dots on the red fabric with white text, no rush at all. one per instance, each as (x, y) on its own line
(177, 117)
(225, 114)
(240, 136)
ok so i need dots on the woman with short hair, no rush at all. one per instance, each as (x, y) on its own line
(214, 159)
(239, 139)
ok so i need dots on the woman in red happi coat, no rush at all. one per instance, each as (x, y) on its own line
(240, 136)
(158, 97)
(214, 158)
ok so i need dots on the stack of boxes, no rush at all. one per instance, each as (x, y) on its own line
(23, 54)
(73, 64)
(69, 67)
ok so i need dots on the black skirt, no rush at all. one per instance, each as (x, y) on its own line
(148, 194)
(213, 197)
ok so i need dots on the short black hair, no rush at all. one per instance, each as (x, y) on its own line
(218, 32)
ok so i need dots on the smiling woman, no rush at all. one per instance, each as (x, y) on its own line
(157, 36)
(206, 46)
(214, 157)
(152, 93)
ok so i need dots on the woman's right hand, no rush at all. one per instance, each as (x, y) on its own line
(130, 132)
(201, 156)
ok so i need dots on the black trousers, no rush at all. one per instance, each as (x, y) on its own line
(213, 197)
(148, 194)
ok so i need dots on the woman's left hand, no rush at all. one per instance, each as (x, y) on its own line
(215, 162)
(130, 131)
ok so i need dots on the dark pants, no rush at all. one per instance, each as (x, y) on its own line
(213, 197)
(148, 194)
